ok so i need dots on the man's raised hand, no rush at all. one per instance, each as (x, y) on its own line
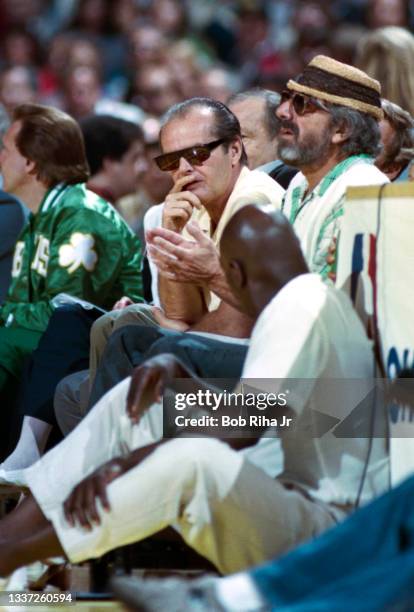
(124, 302)
(179, 205)
(187, 261)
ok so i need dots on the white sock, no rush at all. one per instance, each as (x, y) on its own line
(30, 446)
(238, 593)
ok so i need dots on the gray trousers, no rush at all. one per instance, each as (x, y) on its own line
(117, 347)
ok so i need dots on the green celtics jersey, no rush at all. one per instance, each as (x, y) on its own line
(76, 244)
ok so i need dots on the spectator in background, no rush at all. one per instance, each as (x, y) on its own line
(148, 45)
(185, 68)
(13, 216)
(95, 22)
(115, 153)
(17, 86)
(55, 66)
(343, 41)
(313, 22)
(154, 89)
(83, 96)
(21, 48)
(382, 13)
(219, 83)
(83, 52)
(42, 18)
(82, 91)
(169, 17)
(397, 138)
(387, 55)
(256, 111)
(122, 15)
(253, 38)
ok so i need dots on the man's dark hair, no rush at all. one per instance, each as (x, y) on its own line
(226, 124)
(271, 100)
(107, 137)
(363, 130)
(52, 140)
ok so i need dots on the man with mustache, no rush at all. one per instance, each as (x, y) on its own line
(329, 130)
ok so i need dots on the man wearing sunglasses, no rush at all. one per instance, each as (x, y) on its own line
(211, 182)
(328, 129)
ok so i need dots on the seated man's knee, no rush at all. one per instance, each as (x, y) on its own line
(136, 314)
(102, 327)
(133, 338)
(165, 344)
(201, 455)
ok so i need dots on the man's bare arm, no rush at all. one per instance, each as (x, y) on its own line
(188, 262)
(179, 302)
(226, 321)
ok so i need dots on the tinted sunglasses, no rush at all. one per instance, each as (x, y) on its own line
(302, 104)
(194, 155)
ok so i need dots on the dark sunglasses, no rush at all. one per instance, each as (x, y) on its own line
(194, 155)
(302, 104)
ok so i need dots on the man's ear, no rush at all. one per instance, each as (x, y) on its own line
(31, 167)
(340, 134)
(393, 169)
(237, 274)
(107, 164)
(235, 149)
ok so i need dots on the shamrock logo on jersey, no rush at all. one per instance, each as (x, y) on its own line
(79, 252)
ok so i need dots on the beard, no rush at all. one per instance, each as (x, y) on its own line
(311, 149)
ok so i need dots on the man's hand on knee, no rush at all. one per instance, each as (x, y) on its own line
(149, 381)
(80, 507)
(124, 302)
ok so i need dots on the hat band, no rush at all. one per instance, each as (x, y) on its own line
(337, 85)
(340, 100)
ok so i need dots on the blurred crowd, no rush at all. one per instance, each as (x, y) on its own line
(227, 135)
(79, 54)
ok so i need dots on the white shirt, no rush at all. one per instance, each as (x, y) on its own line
(310, 331)
(316, 215)
(252, 187)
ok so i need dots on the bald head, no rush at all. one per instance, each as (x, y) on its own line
(260, 253)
